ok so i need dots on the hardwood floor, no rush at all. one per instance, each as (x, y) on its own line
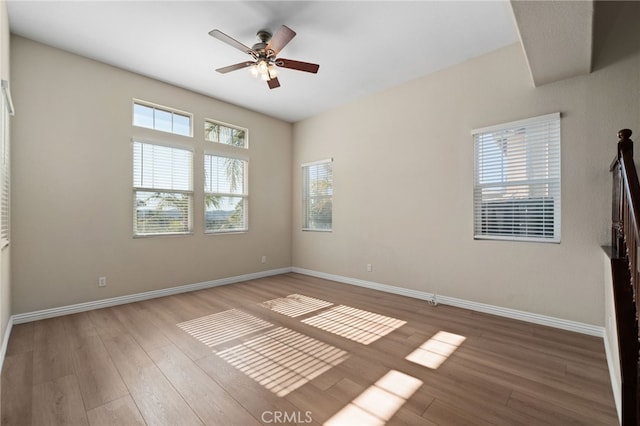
(295, 349)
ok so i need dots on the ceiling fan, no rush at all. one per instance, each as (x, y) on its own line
(265, 54)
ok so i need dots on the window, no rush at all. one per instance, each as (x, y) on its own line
(6, 109)
(517, 180)
(163, 189)
(160, 118)
(317, 195)
(225, 133)
(225, 187)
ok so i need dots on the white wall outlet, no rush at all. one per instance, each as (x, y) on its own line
(102, 281)
(264, 259)
(369, 267)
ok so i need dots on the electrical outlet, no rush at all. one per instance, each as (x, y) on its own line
(369, 267)
(102, 281)
(264, 259)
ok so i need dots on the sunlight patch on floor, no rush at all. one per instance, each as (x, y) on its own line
(223, 326)
(436, 350)
(282, 360)
(355, 324)
(379, 402)
(295, 305)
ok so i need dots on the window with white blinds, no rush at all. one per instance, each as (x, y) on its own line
(6, 111)
(225, 194)
(163, 189)
(317, 196)
(517, 180)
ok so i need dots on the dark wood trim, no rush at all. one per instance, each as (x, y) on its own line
(625, 240)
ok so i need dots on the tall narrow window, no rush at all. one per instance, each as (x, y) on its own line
(225, 187)
(163, 189)
(517, 180)
(317, 196)
(6, 109)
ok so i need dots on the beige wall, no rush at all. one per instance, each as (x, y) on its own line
(403, 185)
(72, 179)
(407, 149)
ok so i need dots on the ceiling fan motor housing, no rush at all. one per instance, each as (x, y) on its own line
(261, 48)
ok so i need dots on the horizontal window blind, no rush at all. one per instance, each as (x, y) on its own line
(225, 187)
(517, 180)
(163, 186)
(317, 196)
(5, 174)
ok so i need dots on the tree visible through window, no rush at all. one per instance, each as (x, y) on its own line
(317, 196)
(225, 134)
(163, 189)
(225, 188)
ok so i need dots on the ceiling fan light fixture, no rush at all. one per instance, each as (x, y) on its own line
(263, 70)
(264, 55)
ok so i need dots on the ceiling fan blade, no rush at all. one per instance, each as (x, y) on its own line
(297, 65)
(234, 67)
(273, 83)
(230, 41)
(280, 39)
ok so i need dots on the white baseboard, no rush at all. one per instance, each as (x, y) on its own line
(578, 327)
(616, 386)
(105, 303)
(563, 324)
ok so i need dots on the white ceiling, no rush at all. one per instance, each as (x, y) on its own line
(362, 47)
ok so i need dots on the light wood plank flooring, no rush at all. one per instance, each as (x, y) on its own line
(295, 349)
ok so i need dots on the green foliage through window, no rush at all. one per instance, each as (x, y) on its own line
(220, 133)
(162, 185)
(225, 190)
(318, 196)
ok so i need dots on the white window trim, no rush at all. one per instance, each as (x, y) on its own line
(514, 125)
(304, 190)
(5, 164)
(147, 189)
